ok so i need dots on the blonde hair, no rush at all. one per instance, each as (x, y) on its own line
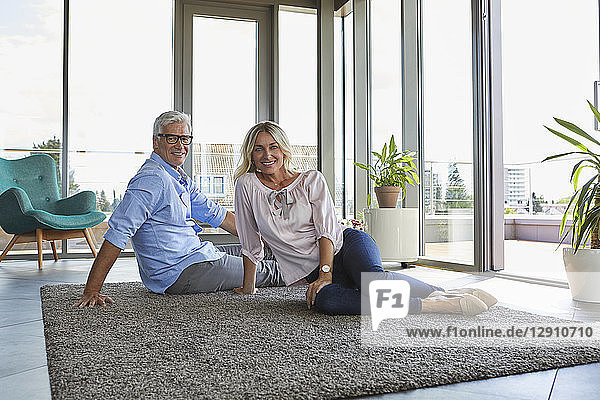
(280, 137)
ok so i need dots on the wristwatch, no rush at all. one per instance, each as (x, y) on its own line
(325, 268)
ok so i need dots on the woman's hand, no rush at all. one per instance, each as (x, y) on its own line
(315, 287)
(325, 278)
(241, 290)
(249, 281)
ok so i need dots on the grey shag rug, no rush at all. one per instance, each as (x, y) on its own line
(267, 346)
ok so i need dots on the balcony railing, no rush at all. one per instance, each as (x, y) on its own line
(447, 219)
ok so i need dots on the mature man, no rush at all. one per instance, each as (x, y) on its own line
(158, 213)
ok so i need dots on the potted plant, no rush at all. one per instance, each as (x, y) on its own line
(396, 230)
(582, 264)
(391, 172)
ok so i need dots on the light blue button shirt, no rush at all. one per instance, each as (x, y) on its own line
(156, 214)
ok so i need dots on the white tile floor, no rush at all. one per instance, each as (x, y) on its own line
(24, 374)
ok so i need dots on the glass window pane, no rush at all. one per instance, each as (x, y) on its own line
(298, 84)
(120, 81)
(540, 41)
(348, 29)
(386, 73)
(386, 77)
(338, 83)
(31, 81)
(448, 130)
(224, 97)
(218, 184)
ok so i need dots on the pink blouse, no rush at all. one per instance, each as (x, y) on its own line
(291, 221)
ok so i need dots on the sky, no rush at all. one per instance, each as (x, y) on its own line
(549, 64)
(548, 72)
(121, 78)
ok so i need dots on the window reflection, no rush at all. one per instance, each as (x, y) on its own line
(31, 82)
(448, 130)
(120, 80)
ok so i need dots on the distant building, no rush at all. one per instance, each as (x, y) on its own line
(432, 191)
(214, 165)
(516, 187)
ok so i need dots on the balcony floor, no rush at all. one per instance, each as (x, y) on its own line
(24, 373)
(521, 257)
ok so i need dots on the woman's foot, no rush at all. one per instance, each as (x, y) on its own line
(442, 303)
(482, 295)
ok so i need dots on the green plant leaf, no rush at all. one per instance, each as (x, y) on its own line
(392, 167)
(568, 139)
(362, 166)
(392, 145)
(595, 161)
(581, 201)
(562, 240)
(582, 205)
(559, 155)
(587, 226)
(574, 128)
(577, 168)
(564, 218)
(581, 212)
(415, 177)
(594, 110)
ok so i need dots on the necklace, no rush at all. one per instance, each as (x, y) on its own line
(273, 183)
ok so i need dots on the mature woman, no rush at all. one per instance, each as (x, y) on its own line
(294, 213)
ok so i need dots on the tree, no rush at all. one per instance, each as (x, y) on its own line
(456, 191)
(51, 144)
(73, 187)
(438, 199)
(116, 200)
(54, 144)
(537, 203)
(102, 202)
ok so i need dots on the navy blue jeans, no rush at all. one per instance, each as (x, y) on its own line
(360, 253)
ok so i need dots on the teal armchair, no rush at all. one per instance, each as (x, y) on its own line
(31, 209)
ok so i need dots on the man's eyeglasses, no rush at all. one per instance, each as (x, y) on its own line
(172, 139)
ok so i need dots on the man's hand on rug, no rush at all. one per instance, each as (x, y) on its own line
(314, 288)
(241, 290)
(91, 299)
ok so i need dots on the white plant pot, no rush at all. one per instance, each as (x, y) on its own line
(396, 232)
(583, 273)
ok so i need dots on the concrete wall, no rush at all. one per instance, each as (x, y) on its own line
(536, 228)
(438, 229)
(448, 228)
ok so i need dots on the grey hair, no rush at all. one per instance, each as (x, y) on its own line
(171, 117)
(280, 137)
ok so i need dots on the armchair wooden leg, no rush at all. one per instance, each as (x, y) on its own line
(9, 246)
(38, 238)
(88, 238)
(54, 250)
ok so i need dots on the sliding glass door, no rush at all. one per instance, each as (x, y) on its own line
(115, 93)
(447, 131)
(549, 65)
(227, 88)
